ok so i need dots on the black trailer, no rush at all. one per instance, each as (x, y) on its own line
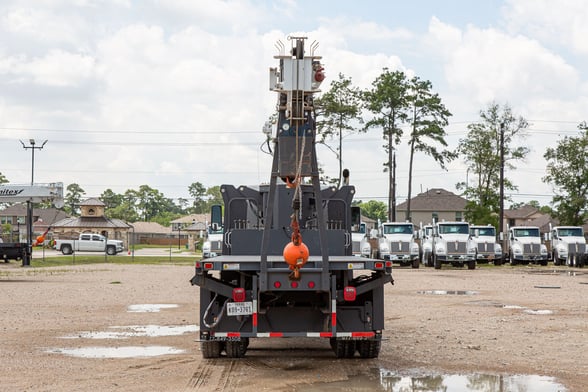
(14, 251)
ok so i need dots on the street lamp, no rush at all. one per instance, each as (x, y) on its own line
(27, 260)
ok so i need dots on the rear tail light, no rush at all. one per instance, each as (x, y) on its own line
(311, 285)
(388, 264)
(238, 294)
(349, 293)
(294, 284)
(208, 266)
(277, 284)
(198, 265)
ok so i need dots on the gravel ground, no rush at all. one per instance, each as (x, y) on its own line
(492, 321)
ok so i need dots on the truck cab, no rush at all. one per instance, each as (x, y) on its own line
(568, 246)
(487, 249)
(453, 245)
(525, 246)
(397, 243)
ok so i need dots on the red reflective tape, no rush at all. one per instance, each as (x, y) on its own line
(233, 334)
(363, 334)
(326, 334)
(255, 319)
(333, 319)
(276, 334)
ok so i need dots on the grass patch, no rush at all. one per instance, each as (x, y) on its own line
(95, 259)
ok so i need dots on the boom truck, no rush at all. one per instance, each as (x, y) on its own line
(36, 193)
(287, 268)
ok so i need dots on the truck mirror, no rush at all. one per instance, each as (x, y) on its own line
(216, 216)
(355, 216)
(477, 232)
(501, 236)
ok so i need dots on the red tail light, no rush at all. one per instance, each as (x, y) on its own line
(294, 285)
(311, 285)
(197, 265)
(238, 294)
(277, 284)
(208, 266)
(379, 265)
(349, 293)
(388, 264)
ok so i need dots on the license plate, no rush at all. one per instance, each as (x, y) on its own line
(239, 308)
(354, 266)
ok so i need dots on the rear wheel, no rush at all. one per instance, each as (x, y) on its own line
(472, 264)
(66, 249)
(210, 349)
(415, 263)
(110, 250)
(436, 262)
(236, 348)
(369, 348)
(343, 348)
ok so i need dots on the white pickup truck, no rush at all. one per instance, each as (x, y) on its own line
(89, 243)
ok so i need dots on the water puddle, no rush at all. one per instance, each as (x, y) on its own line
(116, 352)
(538, 311)
(149, 308)
(448, 292)
(558, 272)
(385, 380)
(130, 331)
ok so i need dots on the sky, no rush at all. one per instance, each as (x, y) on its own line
(171, 92)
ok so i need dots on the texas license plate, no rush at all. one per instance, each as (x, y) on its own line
(239, 308)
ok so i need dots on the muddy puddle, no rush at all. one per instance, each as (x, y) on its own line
(390, 381)
(116, 352)
(448, 292)
(149, 308)
(129, 331)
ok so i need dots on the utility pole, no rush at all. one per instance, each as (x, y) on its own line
(393, 203)
(501, 215)
(26, 262)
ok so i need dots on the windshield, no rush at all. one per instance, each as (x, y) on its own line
(483, 231)
(570, 232)
(529, 232)
(454, 229)
(398, 229)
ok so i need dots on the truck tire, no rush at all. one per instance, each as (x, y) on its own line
(111, 250)
(210, 349)
(497, 262)
(235, 348)
(66, 249)
(472, 264)
(511, 259)
(415, 263)
(343, 348)
(369, 348)
(429, 260)
(555, 258)
(436, 262)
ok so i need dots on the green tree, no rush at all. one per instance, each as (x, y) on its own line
(151, 202)
(73, 198)
(388, 102)
(428, 122)
(481, 151)
(111, 199)
(214, 196)
(376, 210)
(567, 172)
(127, 209)
(198, 193)
(336, 110)
(3, 179)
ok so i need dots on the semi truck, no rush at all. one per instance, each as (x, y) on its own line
(452, 244)
(398, 243)
(568, 246)
(487, 249)
(525, 246)
(287, 268)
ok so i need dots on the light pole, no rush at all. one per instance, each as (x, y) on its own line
(27, 260)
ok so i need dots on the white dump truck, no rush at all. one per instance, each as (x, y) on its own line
(397, 243)
(89, 242)
(525, 246)
(568, 246)
(487, 249)
(453, 245)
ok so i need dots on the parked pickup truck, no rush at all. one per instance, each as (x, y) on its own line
(89, 243)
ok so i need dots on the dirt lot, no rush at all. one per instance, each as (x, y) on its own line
(492, 321)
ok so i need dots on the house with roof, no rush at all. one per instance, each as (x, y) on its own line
(16, 215)
(435, 204)
(92, 220)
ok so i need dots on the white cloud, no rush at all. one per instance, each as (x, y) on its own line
(554, 22)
